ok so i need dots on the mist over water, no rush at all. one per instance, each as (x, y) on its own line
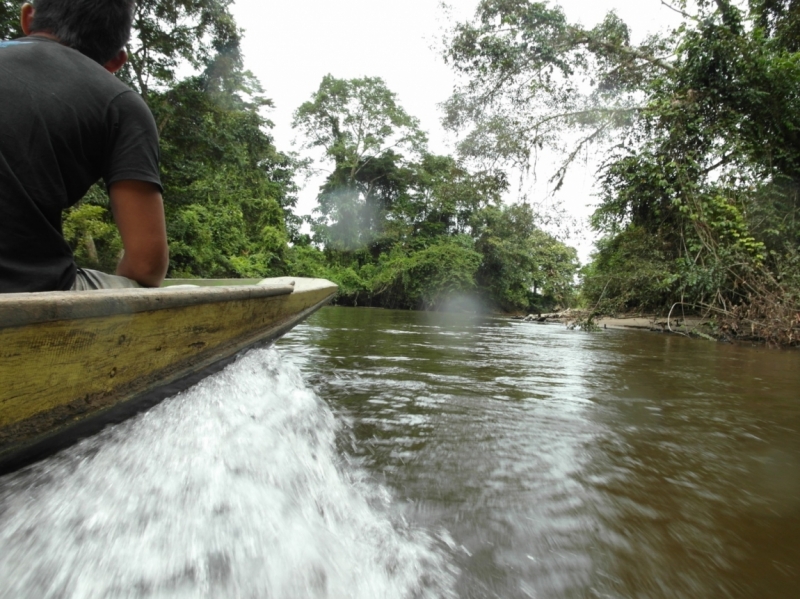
(233, 488)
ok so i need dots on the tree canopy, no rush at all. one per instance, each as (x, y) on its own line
(361, 129)
(9, 20)
(697, 134)
(228, 191)
(171, 33)
(395, 225)
(401, 227)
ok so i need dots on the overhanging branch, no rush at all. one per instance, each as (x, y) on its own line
(583, 37)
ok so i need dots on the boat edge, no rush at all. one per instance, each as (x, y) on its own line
(46, 445)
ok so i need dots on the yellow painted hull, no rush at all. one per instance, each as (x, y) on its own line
(72, 361)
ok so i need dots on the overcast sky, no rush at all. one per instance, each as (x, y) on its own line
(290, 45)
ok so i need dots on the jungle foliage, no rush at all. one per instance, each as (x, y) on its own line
(9, 20)
(414, 229)
(228, 191)
(698, 133)
(395, 226)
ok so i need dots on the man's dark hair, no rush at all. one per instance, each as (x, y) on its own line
(97, 28)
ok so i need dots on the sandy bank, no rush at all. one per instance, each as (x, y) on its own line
(676, 324)
(652, 323)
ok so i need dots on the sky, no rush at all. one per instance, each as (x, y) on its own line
(289, 45)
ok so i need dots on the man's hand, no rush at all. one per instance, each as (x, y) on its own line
(138, 210)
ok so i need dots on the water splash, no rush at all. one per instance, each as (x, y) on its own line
(230, 489)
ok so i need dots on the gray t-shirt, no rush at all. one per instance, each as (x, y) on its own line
(65, 123)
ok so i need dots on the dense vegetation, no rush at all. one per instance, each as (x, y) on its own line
(228, 190)
(415, 229)
(697, 130)
(395, 226)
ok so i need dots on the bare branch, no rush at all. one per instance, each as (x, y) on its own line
(724, 160)
(561, 173)
(565, 115)
(679, 11)
(583, 37)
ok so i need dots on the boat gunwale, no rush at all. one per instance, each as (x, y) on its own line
(131, 401)
(23, 309)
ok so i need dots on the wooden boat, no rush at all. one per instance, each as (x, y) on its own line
(72, 362)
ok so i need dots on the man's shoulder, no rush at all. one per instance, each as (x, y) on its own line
(42, 62)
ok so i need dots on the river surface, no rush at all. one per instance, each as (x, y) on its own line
(384, 454)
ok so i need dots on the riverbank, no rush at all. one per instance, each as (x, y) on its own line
(684, 325)
(727, 331)
(687, 325)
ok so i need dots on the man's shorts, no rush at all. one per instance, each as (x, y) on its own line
(87, 279)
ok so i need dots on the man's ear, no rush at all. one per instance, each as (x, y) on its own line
(115, 64)
(26, 18)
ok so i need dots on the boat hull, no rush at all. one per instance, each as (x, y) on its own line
(71, 362)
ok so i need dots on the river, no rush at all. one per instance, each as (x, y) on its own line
(384, 454)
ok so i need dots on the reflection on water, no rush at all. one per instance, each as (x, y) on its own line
(565, 464)
(437, 456)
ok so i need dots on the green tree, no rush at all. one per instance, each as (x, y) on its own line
(523, 267)
(91, 232)
(429, 278)
(361, 128)
(445, 195)
(417, 231)
(696, 130)
(9, 19)
(170, 33)
(355, 120)
(227, 187)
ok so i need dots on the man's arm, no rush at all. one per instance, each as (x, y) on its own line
(138, 210)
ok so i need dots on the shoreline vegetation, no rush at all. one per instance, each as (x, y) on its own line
(694, 130)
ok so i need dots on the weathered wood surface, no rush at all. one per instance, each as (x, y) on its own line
(68, 356)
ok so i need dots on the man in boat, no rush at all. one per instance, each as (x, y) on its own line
(66, 121)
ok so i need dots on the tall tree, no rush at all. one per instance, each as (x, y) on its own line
(696, 131)
(355, 120)
(531, 75)
(171, 33)
(361, 128)
(446, 196)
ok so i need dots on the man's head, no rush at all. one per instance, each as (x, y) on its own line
(97, 28)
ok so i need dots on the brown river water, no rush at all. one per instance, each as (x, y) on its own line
(383, 454)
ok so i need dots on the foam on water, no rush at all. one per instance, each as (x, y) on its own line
(233, 488)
